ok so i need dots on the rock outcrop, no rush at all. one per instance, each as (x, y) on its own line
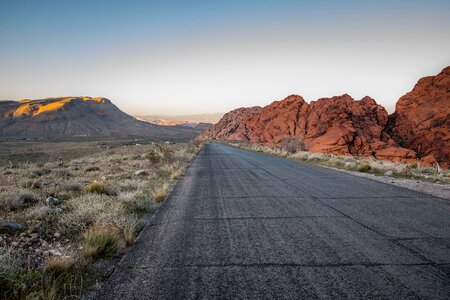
(79, 116)
(337, 125)
(232, 126)
(419, 128)
(421, 121)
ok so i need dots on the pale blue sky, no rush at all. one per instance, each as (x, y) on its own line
(185, 57)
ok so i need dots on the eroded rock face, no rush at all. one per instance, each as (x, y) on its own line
(341, 125)
(338, 125)
(421, 121)
(232, 126)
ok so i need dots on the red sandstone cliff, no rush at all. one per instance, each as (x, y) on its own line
(422, 119)
(338, 125)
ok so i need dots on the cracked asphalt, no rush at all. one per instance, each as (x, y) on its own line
(245, 225)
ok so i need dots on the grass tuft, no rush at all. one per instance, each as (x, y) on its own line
(160, 193)
(364, 168)
(59, 264)
(101, 241)
(99, 187)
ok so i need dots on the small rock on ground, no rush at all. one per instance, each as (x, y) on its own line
(9, 227)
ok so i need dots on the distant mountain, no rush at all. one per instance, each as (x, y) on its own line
(172, 123)
(187, 119)
(198, 126)
(79, 116)
(203, 126)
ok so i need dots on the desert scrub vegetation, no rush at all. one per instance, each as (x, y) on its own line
(61, 219)
(101, 241)
(352, 163)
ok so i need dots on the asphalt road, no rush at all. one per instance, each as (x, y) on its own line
(245, 225)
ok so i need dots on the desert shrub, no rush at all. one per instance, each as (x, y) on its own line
(71, 187)
(40, 172)
(350, 165)
(166, 154)
(13, 276)
(140, 202)
(10, 263)
(130, 185)
(10, 201)
(153, 156)
(59, 264)
(62, 173)
(336, 162)
(364, 168)
(293, 145)
(83, 211)
(164, 173)
(349, 159)
(176, 173)
(99, 187)
(317, 157)
(160, 192)
(26, 197)
(31, 184)
(63, 278)
(63, 195)
(115, 169)
(129, 225)
(130, 237)
(101, 241)
(302, 156)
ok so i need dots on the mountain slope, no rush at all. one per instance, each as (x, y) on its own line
(78, 116)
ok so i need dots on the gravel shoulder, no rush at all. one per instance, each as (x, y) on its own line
(429, 188)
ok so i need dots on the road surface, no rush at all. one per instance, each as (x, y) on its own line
(240, 224)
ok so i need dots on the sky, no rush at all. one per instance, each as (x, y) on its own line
(192, 57)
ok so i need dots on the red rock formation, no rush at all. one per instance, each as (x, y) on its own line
(341, 125)
(278, 121)
(232, 126)
(422, 119)
(338, 125)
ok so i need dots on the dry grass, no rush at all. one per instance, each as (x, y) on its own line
(101, 241)
(359, 164)
(59, 264)
(11, 201)
(160, 193)
(99, 187)
(100, 209)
